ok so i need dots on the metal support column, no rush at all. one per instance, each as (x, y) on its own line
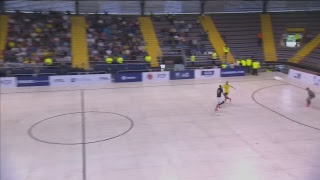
(203, 4)
(2, 8)
(77, 6)
(142, 3)
(265, 6)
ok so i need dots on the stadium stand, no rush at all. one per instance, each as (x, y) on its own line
(240, 33)
(183, 36)
(283, 20)
(115, 36)
(34, 37)
(313, 59)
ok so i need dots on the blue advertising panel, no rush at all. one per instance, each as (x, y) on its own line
(233, 72)
(128, 77)
(33, 81)
(188, 74)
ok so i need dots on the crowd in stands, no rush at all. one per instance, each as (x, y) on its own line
(114, 36)
(33, 37)
(177, 35)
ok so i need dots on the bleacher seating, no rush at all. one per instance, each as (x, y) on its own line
(240, 33)
(313, 59)
(189, 30)
(35, 36)
(282, 21)
(114, 36)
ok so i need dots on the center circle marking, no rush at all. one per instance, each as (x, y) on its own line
(128, 126)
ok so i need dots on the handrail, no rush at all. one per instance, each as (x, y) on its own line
(142, 70)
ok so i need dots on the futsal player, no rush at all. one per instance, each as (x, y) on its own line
(226, 91)
(219, 94)
(311, 95)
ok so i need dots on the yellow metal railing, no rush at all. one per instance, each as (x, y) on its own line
(149, 36)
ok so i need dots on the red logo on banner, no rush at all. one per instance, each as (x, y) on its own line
(149, 76)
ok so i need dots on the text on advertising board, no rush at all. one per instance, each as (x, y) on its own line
(158, 76)
(187, 74)
(207, 73)
(128, 77)
(33, 81)
(233, 72)
(6, 82)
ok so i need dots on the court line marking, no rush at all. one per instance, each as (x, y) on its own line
(0, 130)
(128, 87)
(91, 142)
(83, 132)
(254, 99)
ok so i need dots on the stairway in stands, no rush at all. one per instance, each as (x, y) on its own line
(149, 36)
(215, 38)
(79, 42)
(269, 48)
(306, 50)
(3, 33)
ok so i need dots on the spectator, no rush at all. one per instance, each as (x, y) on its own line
(112, 37)
(205, 35)
(259, 39)
(34, 37)
(226, 50)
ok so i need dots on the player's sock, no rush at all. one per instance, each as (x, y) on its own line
(230, 99)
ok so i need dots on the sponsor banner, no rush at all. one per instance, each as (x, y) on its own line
(233, 72)
(187, 74)
(80, 79)
(304, 77)
(33, 81)
(316, 80)
(8, 82)
(128, 77)
(207, 73)
(155, 76)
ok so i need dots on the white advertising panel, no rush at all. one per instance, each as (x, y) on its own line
(80, 79)
(155, 76)
(303, 77)
(8, 82)
(207, 73)
(316, 81)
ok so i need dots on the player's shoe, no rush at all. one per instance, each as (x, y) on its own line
(216, 109)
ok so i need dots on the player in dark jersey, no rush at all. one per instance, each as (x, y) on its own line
(311, 95)
(219, 97)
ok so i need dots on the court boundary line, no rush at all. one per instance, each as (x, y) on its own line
(0, 130)
(128, 87)
(83, 133)
(282, 115)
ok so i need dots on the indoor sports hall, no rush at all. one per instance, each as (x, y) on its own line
(162, 131)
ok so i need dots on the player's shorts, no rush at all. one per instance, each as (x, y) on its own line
(220, 100)
(225, 94)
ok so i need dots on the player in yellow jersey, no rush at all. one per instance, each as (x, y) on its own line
(226, 88)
